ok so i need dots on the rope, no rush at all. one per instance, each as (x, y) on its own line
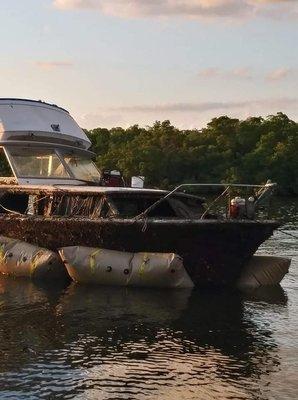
(10, 211)
(144, 227)
(214, 201)
(35, 202)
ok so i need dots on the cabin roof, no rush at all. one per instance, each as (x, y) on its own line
(12, 100)
(19, 117)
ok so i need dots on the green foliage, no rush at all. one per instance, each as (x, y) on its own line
(227, 150)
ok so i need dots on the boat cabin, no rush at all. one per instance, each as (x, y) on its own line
(50, 170)
(44, 145)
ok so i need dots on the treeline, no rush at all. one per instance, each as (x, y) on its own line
(227, 150)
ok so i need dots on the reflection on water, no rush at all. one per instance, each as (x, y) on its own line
(115, 343)
(130, 343)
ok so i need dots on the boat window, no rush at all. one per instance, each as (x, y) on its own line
(13, 202)
(32, 162)
(131, 206)
(82, 168)
(77, 205)
(187, 207)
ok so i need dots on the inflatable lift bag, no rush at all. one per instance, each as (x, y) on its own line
(21, 259)
(110, 267)
(263, 271)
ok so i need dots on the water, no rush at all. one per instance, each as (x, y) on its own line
(104, 343)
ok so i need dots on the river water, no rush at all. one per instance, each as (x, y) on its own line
(109, 343)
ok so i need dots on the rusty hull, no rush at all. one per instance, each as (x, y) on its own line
(213, 251)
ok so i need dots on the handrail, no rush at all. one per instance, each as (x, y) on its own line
(214, 201)
(226, 185)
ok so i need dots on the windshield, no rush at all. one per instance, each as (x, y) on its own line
(34, 162)
(82, 168)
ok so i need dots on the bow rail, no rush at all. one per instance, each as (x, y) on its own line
(264, 190)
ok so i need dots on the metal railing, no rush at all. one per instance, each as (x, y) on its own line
(265, 190)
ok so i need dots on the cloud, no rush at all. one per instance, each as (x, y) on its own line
(186, 115)
(278, 74)
(207, 106)
(91, 120)
(76, 4)
(145, 8)
(237, 73)
(245, 73)
(278, 9)
(185, 8)
(210, 73)
(53, 64)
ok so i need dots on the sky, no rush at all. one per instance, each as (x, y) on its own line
(122, 62)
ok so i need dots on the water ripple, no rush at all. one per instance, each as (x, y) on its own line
(109, 343)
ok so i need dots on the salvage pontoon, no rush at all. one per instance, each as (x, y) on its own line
(56, 197)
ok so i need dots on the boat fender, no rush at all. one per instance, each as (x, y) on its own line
(263, 271)
(21, 259)
(111, 267)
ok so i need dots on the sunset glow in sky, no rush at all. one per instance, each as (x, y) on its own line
(120, 62)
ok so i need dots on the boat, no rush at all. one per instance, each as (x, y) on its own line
(54, 196)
